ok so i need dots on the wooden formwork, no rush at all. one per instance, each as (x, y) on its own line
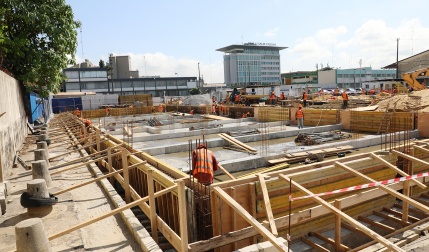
(97, 113)
(271, 114)
(145, 99)
(381, 122)
(319, 117)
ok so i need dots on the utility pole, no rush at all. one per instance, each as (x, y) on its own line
(199, 77)
(397, 55)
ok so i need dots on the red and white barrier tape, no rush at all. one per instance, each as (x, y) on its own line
(373, 184)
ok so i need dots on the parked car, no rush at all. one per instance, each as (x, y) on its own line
(327, 91)
(351, 91)
(359, 91)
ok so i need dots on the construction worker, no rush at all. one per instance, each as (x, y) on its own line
(77, 112)
(160, 108)
(336, 92)
(107, 111)
(282, 96)
(213, 99)
(363, 91)
(304, 98)
(191, 112)
(345, 99)
(237, 98)
(273, 98)
(299, 116)
(244, 115)
(221, 107)
(204, 164)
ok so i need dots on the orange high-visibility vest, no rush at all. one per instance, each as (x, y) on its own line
(299, 114)
(203, 170)
(345, 98)
(305, 97)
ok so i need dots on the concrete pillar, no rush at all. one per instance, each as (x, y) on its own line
(38, 188)
(40, 154)
(44, 132)
(31, 236)
(43, 145)
(40, 171)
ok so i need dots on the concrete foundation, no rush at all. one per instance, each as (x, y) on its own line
(31, 236)
(40, 171)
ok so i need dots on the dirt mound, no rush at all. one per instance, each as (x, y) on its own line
(416, 101)
(196, 100)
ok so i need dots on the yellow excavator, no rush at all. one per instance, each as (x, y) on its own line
(416, 79)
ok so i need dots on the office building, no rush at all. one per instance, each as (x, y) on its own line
(251, 64)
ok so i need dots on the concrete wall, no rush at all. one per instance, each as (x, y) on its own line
(422, 124)
(13, 127)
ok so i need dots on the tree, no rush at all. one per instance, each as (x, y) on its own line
(195, 91)
(38, 38)
(101, 64)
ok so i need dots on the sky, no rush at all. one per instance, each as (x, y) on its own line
(173, 38)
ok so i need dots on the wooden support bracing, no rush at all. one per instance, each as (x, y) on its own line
(249, 218)
(95, 180)
(267, 205)
(113, 212)
(385, 188)
(396, 169)
(376, 224)
(225, 171)
(152, 216)
(345, 217)
(411, 158)
(338, 247)
(181, 194)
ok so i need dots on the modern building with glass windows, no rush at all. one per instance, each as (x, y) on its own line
(95, 80)
(251, 64)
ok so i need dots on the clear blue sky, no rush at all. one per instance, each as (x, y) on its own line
(168, 37)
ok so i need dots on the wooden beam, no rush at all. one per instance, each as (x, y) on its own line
(82, 164)
(113, 212)
(411, 158)
(340, 247)
(124, 159)
(94, 180)
(267, 205)
(225, 171)
(337, 244)
(395, 168)
(152, 205)
(78, 149)
(399, 215)
(183, 220)
(392, 218)
(345, 217)
(376, 224)
(249, 218)
(421, 148)
(314, 245)
(385, 188)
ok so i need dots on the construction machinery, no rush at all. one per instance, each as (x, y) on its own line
(416, 79)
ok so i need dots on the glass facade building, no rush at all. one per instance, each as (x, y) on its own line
(251, 64)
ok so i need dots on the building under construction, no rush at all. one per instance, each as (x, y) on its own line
(357, 183)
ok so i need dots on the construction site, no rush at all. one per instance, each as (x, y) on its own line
(352, 179)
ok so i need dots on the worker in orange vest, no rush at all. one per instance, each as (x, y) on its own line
(214, 109)
(204, 164)
(160, 108)
(304, 98)
(299, 116)
(221, 107)
(282, 96)
(237, 98)
(345, 99)
(77, 112)
(107, 111)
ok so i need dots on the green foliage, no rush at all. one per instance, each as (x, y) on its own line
(39, 40)
(101, 64)
(195, 91)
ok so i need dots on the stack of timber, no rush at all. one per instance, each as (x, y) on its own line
(237, 145)
(154, 122)
(271, 114)
(145, 99)
(301, 156)
(319, 117)
(373, 121)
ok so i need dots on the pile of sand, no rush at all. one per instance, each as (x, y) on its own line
(196, 100)
(416, 101)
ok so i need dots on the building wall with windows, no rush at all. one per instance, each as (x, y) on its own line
(353, 78)
(251, 64)
(96, 80)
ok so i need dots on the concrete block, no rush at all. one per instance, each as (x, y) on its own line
(31, 236)
(3, 198)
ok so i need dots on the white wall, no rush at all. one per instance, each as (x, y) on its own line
(327, 77)
(13, 124)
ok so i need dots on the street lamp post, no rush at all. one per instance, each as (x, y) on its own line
(248, 69)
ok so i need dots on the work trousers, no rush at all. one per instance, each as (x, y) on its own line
(300, 123)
